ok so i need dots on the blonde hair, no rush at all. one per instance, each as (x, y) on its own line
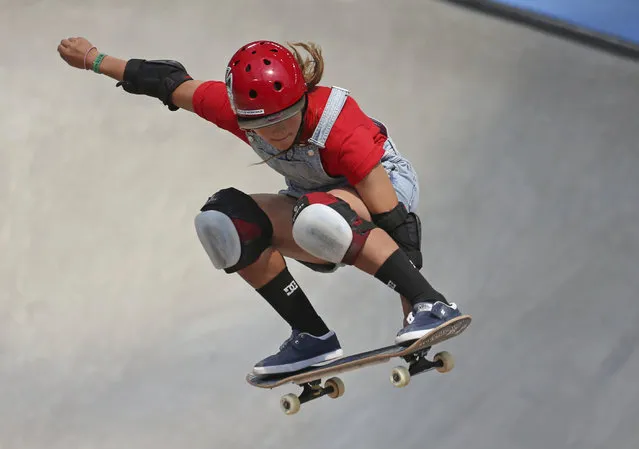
(312, 66)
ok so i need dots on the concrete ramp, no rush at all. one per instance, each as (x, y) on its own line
(116, 331)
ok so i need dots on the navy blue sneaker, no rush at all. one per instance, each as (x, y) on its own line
(424, 318)
(300, 351)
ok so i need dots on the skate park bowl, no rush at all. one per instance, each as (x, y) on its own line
(117, 332)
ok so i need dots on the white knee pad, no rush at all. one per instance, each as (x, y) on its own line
(322, 232)
(219, 238)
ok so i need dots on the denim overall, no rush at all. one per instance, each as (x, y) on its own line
(302, 167)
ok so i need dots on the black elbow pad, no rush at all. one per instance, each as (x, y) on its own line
(157, 79)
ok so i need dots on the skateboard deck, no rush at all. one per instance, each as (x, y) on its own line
(415, 354)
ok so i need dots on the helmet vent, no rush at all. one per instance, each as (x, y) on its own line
(274, 50)
(277, 85)
(236, 62)
(248, 67)
(252, 93)
(267, 62)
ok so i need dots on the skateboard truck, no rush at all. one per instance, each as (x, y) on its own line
(418, 363)
(333, 388)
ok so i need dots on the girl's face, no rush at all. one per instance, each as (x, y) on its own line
(281, 135)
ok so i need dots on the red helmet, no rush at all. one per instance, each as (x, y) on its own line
(265, 84)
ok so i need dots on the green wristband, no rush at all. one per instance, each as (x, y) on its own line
(97, 62)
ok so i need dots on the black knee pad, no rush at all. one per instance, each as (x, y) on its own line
(251, 222)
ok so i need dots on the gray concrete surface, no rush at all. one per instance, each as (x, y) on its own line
(115, 330)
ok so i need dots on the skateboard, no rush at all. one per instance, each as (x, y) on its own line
(414, 353)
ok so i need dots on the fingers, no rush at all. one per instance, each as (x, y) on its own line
(64, 47)
(67, 42)
(71, 42)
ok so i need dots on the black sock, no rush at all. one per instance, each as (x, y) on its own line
(400, 274)
(288, 299)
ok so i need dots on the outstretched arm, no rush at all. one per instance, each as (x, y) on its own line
(165, 80)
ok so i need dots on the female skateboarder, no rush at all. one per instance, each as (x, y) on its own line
(350, 196)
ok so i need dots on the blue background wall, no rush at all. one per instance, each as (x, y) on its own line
(618, 18)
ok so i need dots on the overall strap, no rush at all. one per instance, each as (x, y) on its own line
(333, 107)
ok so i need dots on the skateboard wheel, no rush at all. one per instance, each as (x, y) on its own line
(400, 376)
(448, 363)
(290, 404)
(337, 385)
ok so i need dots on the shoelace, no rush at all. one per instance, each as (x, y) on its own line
(424, 308)
(288, 341)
